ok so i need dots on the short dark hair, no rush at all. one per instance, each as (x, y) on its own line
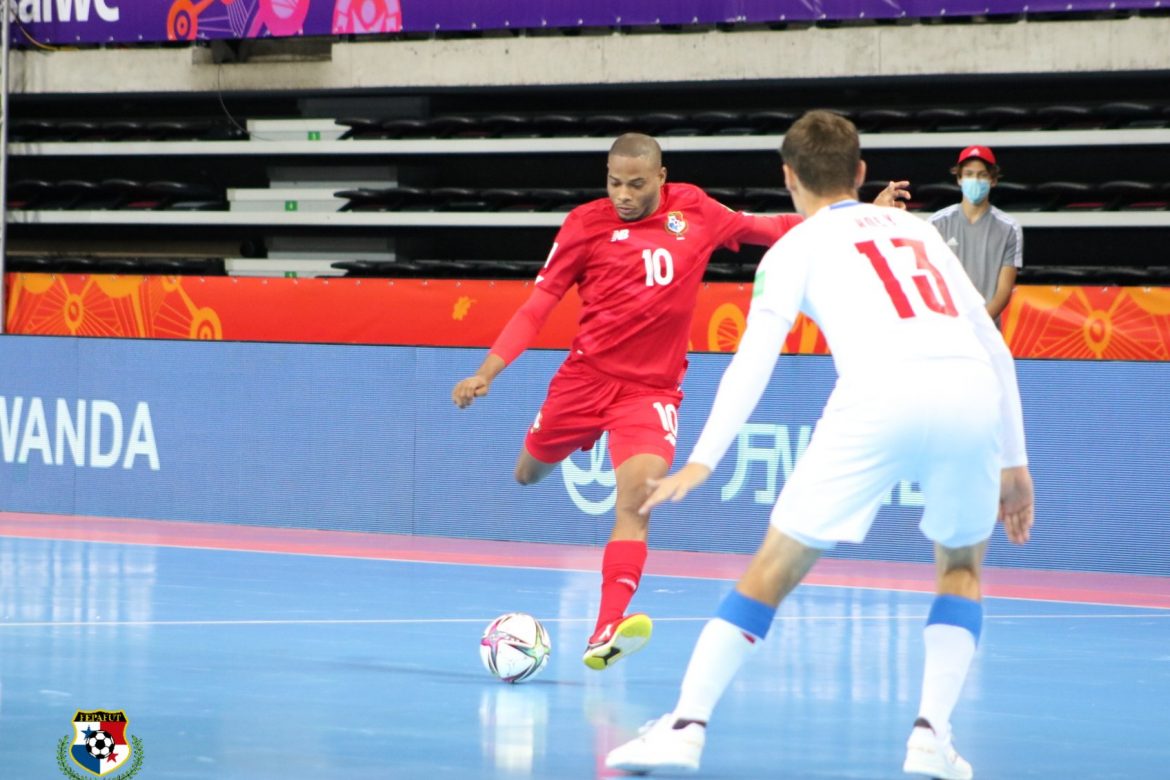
(637, 145)
(992, 169)
(823, 150)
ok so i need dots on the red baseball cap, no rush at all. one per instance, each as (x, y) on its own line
(976, 153)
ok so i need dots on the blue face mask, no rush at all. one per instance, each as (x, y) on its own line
(975, 190)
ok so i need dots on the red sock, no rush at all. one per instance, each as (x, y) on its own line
(621, 571)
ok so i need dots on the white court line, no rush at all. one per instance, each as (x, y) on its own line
(567, 569)
(486, 620)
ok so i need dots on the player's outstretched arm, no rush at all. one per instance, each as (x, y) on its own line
(893, 195)
(1016, 509)
(513, 339)
(674, 487)
(476, 386)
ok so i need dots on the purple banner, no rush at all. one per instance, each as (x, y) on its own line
(142, 21)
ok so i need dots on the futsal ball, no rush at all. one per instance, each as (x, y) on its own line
(100, 744)
(515, 647)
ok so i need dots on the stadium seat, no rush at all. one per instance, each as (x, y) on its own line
(456, 126)
(721, 123)
(362, 199)
(411, 199)
(557, 199)
(557, 125)
(1137, 195)
(77, 130)
(604, 125)
(885, 120)
(28, 193)
(377, 268)
(513, 269)
(770, 122)
(586, 194)
(116, 193)
(1017, 196)
(457, 199)
(30, 130)
(445, 268)
(1130, 114)
(946, 120)
(1067, 117)
(68, 194)
(181, 195)
(664, 123)
(77, 264)
(767, 200)
(1003, 117)
(933, 196)
(509, 126)
(501, 198)
(402, 127)
(360, 127)
(121, 130)
(541, 199)
(1069, 195)
(191, 266)
(174, 129)
(1095, 275)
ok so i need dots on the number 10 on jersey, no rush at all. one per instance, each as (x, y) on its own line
(659, 266)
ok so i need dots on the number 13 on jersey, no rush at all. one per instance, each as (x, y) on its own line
(927, 280)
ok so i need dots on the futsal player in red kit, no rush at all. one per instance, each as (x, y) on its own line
(637, 258)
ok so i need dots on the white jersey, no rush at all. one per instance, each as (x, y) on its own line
(881, 284)
(892, 301)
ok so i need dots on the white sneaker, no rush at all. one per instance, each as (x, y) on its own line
(661, 747)
(928, 754)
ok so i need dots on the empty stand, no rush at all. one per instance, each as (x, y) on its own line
(480, 192)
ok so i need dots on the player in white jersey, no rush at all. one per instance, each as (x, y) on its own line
(926, 391)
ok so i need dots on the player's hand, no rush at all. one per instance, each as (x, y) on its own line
(893, 195)
(468, 390)
(1016, 503)
(675, 487)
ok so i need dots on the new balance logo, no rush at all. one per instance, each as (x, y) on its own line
(620, 235)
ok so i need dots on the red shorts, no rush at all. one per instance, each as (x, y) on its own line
(583, 403)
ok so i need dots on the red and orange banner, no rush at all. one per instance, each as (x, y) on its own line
(1112, 323)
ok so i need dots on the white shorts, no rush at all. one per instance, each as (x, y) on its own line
(937, 424)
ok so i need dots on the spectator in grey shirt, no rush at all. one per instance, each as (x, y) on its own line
(989, 243)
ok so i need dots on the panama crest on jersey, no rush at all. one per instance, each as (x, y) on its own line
(676, 224)
(100, 746)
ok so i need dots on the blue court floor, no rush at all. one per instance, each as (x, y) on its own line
(249, 666)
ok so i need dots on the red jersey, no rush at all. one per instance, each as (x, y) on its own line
(639, 281)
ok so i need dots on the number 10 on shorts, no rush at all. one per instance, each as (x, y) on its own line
(668, 416)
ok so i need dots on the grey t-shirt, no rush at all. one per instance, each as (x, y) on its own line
(993, 241)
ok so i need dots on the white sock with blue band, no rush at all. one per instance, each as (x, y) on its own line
(951, 636)
(740, 626)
